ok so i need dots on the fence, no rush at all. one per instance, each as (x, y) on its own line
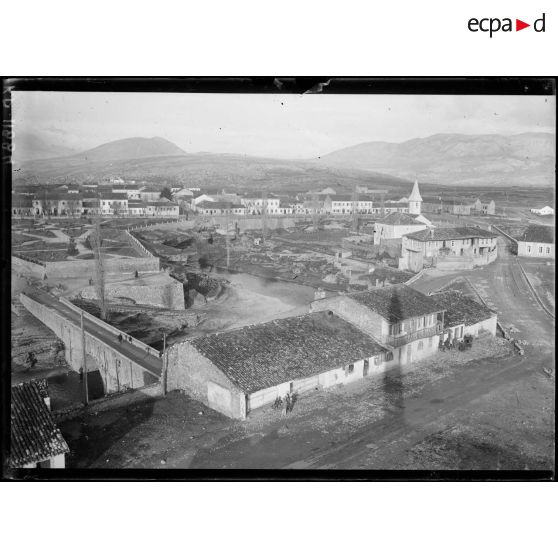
(138, 244)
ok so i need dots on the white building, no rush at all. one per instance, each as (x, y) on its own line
(395, 225)
(254, 203)
(537, 242)
(546, 210)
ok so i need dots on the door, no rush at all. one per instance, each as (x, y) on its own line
(365, 367)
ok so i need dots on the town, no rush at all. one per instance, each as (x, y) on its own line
(141, 289)
(282, 282)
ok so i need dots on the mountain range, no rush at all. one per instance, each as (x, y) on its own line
(457, 159)
(446, 159)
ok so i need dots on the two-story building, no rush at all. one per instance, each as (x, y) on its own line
(254, 203)
(448, 248)
(113, 204)
(406, 321)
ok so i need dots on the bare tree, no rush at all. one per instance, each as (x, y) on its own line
(96, 245)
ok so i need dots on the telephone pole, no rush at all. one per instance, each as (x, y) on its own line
(227, 240)
(355, 211)
(84, 366)
(264, 214)
(164, 375)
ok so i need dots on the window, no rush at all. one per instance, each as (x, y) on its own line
(548, 249)
(528, 248)
(420, 346)
(389, 356)
(540, 249)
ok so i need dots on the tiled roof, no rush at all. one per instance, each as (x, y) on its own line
(265, 355)
(218, 205)
(447, 233)
(396, 204)
(397, 302)
(113, 196)
(34, 435)
(538, 233)
(162, 203)
(399, 219)
(460, 309)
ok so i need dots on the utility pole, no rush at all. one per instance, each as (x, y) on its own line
(315, 215)
(264, 214)
(227, 240)
(355, 212)
(84, 366)
(164, 374)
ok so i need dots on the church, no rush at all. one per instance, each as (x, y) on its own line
(395, 224)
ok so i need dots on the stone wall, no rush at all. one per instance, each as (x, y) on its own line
(170, 294)
(85, 268)
(27, 267)
(190, 371)
(355, 313)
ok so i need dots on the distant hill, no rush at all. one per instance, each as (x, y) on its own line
(131, 148)
(29, 146)
(457, 159)
(205, 170)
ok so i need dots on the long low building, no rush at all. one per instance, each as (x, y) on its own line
(239, 370)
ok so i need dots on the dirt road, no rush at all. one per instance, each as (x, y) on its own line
(503, 287)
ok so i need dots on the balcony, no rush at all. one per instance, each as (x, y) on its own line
(399, 340)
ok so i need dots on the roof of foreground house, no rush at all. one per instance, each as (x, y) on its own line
(450, 233)
(268, 354)
(34, 435)
(460, 308)
(537, 233)
(397, 302)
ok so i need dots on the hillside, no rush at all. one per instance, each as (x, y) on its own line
(29, 146)
(457, 159)
(131, 148)
(206, 170)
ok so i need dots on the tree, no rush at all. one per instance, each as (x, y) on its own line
(166, 193)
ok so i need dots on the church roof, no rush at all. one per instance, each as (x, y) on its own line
(415, 194)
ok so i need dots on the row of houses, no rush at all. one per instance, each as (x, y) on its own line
(461, 207)
(342, 339)
(324, 202)
(87, 203)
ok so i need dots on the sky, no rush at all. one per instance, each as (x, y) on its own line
(274, 125)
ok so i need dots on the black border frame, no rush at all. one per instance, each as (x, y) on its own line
(226, 85)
